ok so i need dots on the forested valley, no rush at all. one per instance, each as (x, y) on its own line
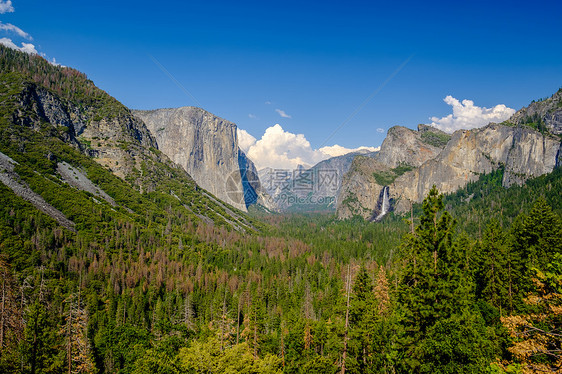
(307, 294)
(163, 281)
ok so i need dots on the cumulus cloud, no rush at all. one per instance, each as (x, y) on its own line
(6, 7)
(245, 140)
(282, 113)
(280, 149)
(25, 47)
(283, 150)
(468, 116)
(12, 28)
(338, 150)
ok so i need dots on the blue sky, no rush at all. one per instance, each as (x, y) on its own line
(316, 61)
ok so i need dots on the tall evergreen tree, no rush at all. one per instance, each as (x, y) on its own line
(441, 332)
(495, 268)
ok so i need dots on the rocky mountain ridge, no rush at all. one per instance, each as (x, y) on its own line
(545, 114)
(402, 150)
(410, 166)
(62, 132)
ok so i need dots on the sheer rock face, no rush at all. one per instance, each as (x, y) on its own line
(524, 152)
(206, 146)
(360, 189)
(403, 146)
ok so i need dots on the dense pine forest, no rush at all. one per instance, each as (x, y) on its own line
(163, 282)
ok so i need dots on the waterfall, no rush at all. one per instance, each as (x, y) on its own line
(383, 204)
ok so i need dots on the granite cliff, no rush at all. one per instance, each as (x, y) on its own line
(411, 162)
(402, 150)
(206, 146)
(523, 152)
(63, 139)
(403, 146)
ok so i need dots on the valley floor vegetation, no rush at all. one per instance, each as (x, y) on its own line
(308, 294)
(163, 278)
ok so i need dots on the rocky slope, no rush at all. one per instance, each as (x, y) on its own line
(547, 112)
(403, 146)
(116, 141)
(360, 189)
(67, 137)
(516, 145)
(524, 153)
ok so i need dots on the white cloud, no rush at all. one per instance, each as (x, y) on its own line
(6, 7)
(245, 140)
(467, 116)
(267, 102)
(381, 130)
(252, 116)
(338, 150)
(280, 149)
(282, 113)
(283, 150)
(15, 29)
(25, 47)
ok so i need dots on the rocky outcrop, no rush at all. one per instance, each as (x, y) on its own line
(403, 146)
(547, 112)
(403, 149)
(116, 141)
(523, 152)
(360, 190)
(206, 146)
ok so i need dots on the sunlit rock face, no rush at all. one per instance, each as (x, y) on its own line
(206, 146)
(522, 151)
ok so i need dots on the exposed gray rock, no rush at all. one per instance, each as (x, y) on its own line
(79, 180)
(403, 146)
(524, 152)
(206, 146)
(360, 190)
(548, 110)
(12, 180)
(118, 142)
(531, 155)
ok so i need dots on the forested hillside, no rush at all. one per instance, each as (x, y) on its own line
(163, 278)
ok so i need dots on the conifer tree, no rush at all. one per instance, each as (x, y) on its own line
(435, 295)
(493, 278)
